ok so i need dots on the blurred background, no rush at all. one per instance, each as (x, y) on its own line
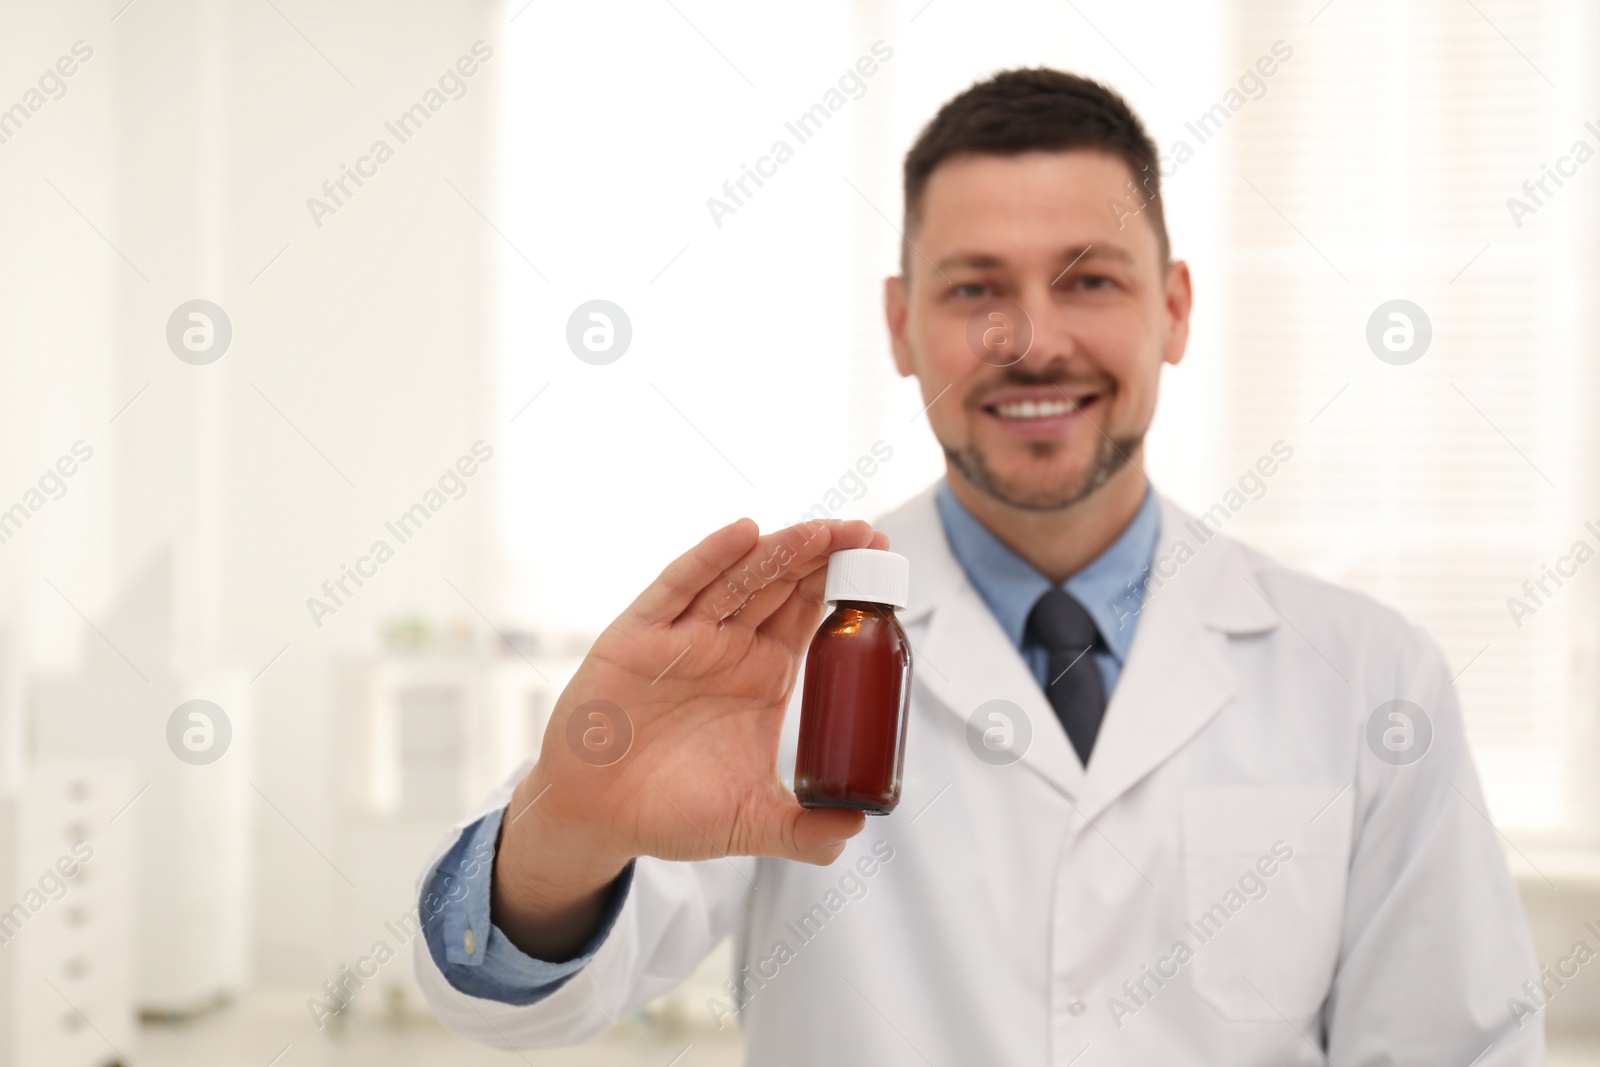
(311, 494)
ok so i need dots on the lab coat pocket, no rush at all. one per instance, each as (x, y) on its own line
(1264, 874)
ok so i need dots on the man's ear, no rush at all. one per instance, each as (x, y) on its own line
(894, 313)
(1179, 301)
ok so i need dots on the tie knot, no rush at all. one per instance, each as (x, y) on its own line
(1062, 624)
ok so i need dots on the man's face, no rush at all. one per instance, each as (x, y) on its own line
(1040, 429)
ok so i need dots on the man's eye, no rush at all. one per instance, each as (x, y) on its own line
(1094, 281)
(970, 289)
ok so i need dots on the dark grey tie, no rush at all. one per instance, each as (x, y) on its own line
(1072, 681)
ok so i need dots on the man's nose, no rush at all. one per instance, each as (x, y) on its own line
(1051, 324)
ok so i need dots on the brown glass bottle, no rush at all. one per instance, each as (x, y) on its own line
(853, 710)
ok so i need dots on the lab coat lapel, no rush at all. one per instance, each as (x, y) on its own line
(1177, 676)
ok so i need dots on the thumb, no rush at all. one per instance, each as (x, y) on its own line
(818, 835)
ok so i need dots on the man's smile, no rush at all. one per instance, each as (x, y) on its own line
(1039, 412)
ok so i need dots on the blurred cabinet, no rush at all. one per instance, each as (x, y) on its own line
(189, 870)
(67, 915)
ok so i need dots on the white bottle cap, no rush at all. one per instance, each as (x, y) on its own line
(868, 574)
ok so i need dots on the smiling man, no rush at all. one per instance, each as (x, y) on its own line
(1234, 823)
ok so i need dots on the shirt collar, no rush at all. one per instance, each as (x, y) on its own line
(1011, 586)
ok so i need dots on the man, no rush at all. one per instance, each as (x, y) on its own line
(1166, 800)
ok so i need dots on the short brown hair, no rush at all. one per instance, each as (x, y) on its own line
(1034, 109)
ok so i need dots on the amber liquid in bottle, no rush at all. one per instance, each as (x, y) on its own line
(853, 711)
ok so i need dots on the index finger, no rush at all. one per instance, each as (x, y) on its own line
(779, 559)
(682, 579)
(686, 577)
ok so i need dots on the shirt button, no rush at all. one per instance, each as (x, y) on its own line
(469, 941)
(1077, 1007)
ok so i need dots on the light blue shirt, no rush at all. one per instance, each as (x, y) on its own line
(456, 898)
(1111, 587)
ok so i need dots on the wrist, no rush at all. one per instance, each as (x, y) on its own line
(544, 862)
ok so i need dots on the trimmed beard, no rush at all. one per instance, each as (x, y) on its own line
(1109, 458)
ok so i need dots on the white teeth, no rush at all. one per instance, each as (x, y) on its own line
(1036, 409)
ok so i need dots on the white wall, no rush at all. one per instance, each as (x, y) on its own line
(358, 372)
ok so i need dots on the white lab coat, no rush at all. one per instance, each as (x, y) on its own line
(996, 915)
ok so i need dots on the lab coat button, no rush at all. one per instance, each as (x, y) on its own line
(469, 941)
(1077, 1007)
